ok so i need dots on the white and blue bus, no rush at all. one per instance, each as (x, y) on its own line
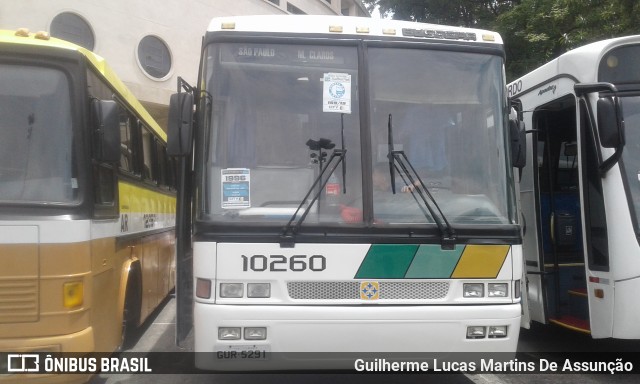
(580, 190)
(347, 186)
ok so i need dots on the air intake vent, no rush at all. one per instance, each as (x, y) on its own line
(349, 290)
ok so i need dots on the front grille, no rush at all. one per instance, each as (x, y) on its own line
(18, 300)
(350, 290)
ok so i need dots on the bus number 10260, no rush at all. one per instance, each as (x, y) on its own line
(281, 263)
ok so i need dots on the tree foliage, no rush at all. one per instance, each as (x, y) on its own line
(467, 13)
(534, 31)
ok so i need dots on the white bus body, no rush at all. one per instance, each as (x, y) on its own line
(580, 189)
(360, 268)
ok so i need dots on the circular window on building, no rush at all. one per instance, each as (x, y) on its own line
(71, 27)
(154, 57)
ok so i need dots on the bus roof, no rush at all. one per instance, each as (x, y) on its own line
(581, 63)
(350, 25)
(94, 60)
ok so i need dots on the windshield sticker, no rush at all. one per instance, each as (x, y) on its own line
(236, 188)
(336, 95)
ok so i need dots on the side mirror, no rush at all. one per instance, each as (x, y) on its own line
(518, 143)
(610, 127)
(106, 130)
(180, 124)
(610, 121)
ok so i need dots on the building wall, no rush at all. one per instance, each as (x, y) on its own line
(119, 25)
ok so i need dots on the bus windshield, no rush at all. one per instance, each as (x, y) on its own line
(35, 136)
(447, 118)
(631, 152)
(275, 114)
(268, 137)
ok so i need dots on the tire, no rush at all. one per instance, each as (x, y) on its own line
(131, 314)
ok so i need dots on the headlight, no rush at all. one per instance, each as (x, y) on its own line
(497, 331)
(229, 333)
(231, 289)
(255, 333)
(259, 290)
(497, 290)
(473, 290)
(475, 332)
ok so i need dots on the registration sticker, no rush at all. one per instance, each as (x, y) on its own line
(236, 188)
(336, 92)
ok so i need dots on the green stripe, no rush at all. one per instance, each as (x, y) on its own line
(386, 261)
(432, 262)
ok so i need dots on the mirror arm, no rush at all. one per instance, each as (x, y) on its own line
(583, 89)
(611, 161)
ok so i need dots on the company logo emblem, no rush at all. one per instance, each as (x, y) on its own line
(337, 90)
(551, 88)
(369, 290)
(23, 362)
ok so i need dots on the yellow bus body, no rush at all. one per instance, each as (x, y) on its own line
(63, 279)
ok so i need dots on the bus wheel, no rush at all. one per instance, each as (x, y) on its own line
(131, 315)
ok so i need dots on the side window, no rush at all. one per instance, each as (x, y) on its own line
(567, 173)
(148, 155)
(127, 145)
(104, 191)
(161, 156)
(104, 175)
(172, 173)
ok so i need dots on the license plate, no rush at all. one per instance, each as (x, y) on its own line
(242, 352)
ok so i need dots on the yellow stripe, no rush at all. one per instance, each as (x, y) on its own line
(138, 199)
(571, 327)
(481, 261)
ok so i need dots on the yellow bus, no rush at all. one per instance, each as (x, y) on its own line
(87, 203)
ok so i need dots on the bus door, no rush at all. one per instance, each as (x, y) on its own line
(557, 281)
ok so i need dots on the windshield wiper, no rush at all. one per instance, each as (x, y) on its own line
(289, 232)
(398, 161)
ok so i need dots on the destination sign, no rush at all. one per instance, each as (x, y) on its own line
(278, 54)
(435, 34)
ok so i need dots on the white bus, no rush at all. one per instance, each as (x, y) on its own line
(580, 190)
(352, 190)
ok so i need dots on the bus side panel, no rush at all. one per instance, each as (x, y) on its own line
(608, 311)
(166, 263)
(40, 257)
(157, 256)
(106, 311)
(149, 258)
(625, 318)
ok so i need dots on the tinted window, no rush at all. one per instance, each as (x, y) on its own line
(71, 27)
(154, 57)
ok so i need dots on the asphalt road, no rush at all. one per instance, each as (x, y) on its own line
(541, 343)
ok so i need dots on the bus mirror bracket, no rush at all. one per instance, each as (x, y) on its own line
(106, 130)
(180, 122)
(610, 120)
(518, 142)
